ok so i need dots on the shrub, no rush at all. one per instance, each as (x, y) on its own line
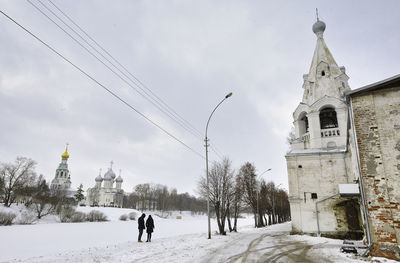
(132, 215)
(78, 217)
(27, 218)
(123, 217)
(6, 218)
(95, 215)
(66, 214)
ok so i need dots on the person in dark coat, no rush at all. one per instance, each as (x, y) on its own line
(149, 227)
(141, 226)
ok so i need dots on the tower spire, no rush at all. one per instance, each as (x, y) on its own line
(316, 11)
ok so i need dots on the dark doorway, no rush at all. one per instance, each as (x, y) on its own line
(352, 212)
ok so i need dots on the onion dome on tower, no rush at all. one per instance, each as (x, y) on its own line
(65, 155)
(119, 179)
(109, 175)
(99, 178)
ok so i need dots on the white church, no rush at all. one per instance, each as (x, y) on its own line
(323, 194)
(104, 193)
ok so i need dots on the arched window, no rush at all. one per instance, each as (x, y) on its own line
(327, 118)
(305, 123)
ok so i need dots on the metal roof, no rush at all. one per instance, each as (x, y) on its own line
(374, 86)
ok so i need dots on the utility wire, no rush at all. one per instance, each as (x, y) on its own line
(102, 62)
(116, 61)
(99, 84)
(158, 102)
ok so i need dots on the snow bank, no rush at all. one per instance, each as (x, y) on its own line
(27, 241)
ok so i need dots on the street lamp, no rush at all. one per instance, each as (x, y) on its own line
(258, 207)
(208, 188)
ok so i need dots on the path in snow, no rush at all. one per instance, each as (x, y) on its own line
(272, 244)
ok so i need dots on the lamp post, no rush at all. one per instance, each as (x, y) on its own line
(208, 187)
(258, 207)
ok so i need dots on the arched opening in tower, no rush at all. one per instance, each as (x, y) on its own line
(328, 119)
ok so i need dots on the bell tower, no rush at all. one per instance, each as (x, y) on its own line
(62, 179)
(320, 120)
(319, 159)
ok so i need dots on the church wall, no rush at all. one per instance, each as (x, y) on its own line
(319, 173)
(377, 125)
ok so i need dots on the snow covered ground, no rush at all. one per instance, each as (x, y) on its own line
(174, 240)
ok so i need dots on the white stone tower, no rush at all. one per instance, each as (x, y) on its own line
(62, 179)
(319, 159)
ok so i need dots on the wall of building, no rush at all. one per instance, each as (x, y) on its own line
(320, 173)
(377, 126)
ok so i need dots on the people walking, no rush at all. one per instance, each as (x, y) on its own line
(149, 227)
(141, 226)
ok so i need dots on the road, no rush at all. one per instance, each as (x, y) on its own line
(277, 247)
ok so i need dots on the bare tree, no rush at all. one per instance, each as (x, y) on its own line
(15, 177)
(274, 203)
(93, 194)
(282, 206)
(248, 178)
(43, 202)
(237, 200)
(221, 181)
(143, 192)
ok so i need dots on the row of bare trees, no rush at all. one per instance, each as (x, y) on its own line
(231, 193)
(159, 197)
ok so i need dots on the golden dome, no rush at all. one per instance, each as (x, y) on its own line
(65, 155)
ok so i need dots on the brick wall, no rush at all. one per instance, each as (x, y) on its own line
(377, 125)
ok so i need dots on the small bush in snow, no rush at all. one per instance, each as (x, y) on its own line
(66, 214)
(78, 217)
(6, 218)
(95, 215)
(27, 218)
(132, 215)
(123, 217)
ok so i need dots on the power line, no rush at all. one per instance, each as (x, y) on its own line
(101, 85)
(161, 105)
(147, 96)
(115, 60)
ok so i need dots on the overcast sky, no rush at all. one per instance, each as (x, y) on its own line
(190, 54)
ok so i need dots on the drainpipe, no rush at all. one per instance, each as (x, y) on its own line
(359, 178)
(316, 211)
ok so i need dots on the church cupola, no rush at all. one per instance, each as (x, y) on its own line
(99, 179)
(318, 28)
(65, 155)
(119, 181)
(109, 177)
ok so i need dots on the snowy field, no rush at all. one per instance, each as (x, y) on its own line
(174, 240)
